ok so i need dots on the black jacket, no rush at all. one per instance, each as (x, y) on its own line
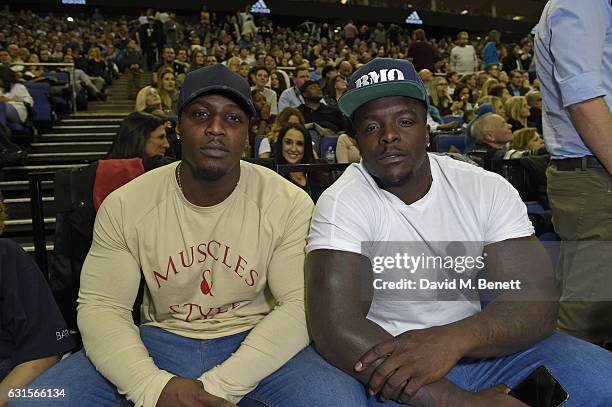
(74, 233)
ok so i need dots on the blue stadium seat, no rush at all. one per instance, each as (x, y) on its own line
(60, 76)
(326, 142)
(3, 113)
(449, 119)
(445, 141)
(43, 112)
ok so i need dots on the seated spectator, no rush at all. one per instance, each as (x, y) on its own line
(34, 335)
(83, 79)
(244, 70)
(140, 135)
(198, 60)
(491, 135)
(148, 100)
(518, 112)
(453, 79)
(168, 63)
(496, 102)
(316, 112)
(516, 87)
(488, 84)
(500, 91)
(58, 52)
(271, 64)
(181, 58)
(133, 61)
(14, 96)
(33, 73)
(463, 95)
(236, 204)
(234, 64)
(492, 70)
(259, 79)
(166, 87)
(336, 87)
(440, 99)
(292, 97)
(534, 100)
(347, 150)
(261, 122)
(503, 78)
(294, 147)
(289, 115)
(96, 68)
(526, 142)
(277, 84)
(426, 76)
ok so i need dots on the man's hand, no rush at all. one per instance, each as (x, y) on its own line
(496, 396)
(412, 360)
(183, 392)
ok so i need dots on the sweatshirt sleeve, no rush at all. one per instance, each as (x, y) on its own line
(109, 285)
(264, 351)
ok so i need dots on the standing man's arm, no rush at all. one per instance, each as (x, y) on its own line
(578, 41)
(593, 122)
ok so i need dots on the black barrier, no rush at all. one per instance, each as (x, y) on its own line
(35, 180)
(316, 167)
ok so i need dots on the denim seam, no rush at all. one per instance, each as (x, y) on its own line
(254, 397)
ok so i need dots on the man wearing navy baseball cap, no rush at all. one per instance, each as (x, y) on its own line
(220, 245)
(405, 246)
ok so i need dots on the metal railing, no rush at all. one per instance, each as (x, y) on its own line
(72, 76)
(35, 180)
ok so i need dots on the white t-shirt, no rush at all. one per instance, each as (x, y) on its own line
(464, 204)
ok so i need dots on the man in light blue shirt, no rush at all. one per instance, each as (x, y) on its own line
(292, 97)
(573, 50)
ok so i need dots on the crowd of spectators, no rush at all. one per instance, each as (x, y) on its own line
(305, 67)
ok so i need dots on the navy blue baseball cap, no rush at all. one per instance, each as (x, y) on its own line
(379, 78)
(219, 80)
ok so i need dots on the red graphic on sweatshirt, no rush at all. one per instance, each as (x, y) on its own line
(205, 287)
(212, 253)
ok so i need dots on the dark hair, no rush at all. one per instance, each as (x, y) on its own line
(278, 148)
(457, 92)
(308, 83)
(497, 90)
(133, 134)
(7, 78)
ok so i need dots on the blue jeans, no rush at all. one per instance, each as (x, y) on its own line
(584, 370)
(305, 380)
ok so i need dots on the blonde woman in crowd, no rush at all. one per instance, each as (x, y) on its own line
(517, 110)
(289, 115)
(527, 139)
(489, 83)
(347, 150)
(167, 89)
(498, 105)
(147, 100)
(439, 97)
(234, 64)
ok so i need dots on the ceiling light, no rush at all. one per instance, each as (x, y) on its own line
(464, 12)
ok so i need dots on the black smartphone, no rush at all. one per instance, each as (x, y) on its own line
(540, 389)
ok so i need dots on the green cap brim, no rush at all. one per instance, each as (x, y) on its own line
(354, 98)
